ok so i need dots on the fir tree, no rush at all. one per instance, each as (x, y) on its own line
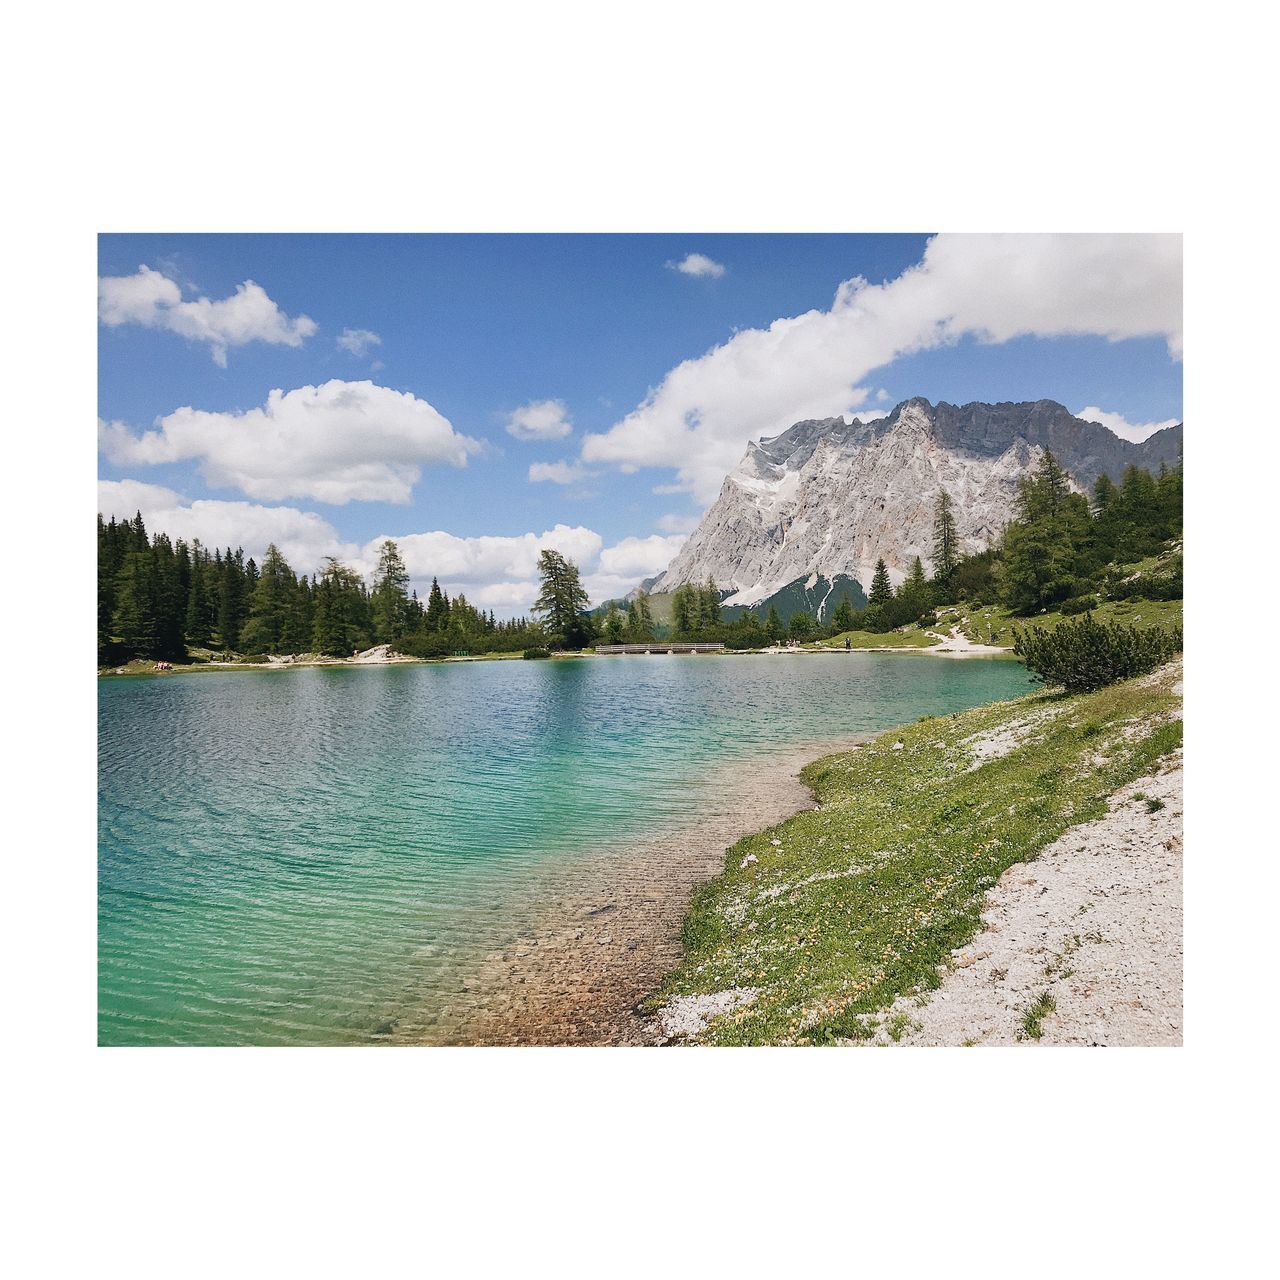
(881, 587)
(437, 617)
(773, 627)
(842, 619)
(134, 620)
(946, 544)
(270, 605)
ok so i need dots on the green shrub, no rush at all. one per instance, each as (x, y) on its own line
(1077, 604)
(1087, 654)
(537, 653)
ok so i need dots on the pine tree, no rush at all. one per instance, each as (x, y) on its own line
(270, 605)
(639, 620)
(801, 626)
(881, 587)
(134, 620)
(169, 602)
(562, 602)
(341, 623)
(390, 595)
(946, 543)
(710, 605)
(613, 624)
(683, 614)
(773, 624)
(842, 619)
(437, 618)
(198, 623)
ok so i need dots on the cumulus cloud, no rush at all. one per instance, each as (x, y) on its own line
(302, 536)
(540, 420)
(496, 572)
(1135, 431)
(151, 299)
(698, 264)
(336, 443)
(672, 523)
(491, 558)
(700, 417)
(556, 472)
(358, 341)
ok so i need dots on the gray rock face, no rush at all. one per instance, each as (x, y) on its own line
(829, 497)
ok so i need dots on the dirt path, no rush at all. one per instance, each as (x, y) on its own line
(1088, 937)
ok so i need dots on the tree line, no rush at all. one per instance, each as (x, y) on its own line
(161, 598)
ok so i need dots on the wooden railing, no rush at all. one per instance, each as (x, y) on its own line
(661, 646)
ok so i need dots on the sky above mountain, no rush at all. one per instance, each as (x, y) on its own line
(480, 397)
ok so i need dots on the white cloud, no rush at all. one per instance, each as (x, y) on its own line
(304, 537)
(699, 419)
(624, 565)
(1135, 431)
(152, 300)
(498, 572)
(698, 264)
(672, 523)
(337, 443)
(491, 558)
(640, 557)
(540, 420)
(358, 341)
(556, 472)
(882, 396)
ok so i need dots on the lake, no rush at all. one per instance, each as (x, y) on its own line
(303, 856)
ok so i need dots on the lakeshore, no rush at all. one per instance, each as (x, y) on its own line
(344, 855)
(1071, 938)
(1077, 942)
(383, 655)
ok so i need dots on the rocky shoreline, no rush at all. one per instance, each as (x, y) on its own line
(601, 946)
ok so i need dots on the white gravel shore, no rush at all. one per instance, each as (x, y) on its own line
(1093, 927)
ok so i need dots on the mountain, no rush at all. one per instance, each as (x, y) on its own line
(827, 498)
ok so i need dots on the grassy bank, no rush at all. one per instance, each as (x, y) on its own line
(831, 916)
(904, 638)
(992, 624)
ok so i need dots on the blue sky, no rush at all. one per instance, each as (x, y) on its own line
(473, 328)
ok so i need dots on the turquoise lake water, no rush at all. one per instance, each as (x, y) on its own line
(299, 857)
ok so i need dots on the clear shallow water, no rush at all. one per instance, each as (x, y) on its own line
(300, 857)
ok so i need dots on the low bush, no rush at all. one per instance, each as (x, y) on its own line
(537, 653)
(1088, 654)
(1077, 604)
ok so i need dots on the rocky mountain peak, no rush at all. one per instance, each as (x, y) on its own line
(828, 497)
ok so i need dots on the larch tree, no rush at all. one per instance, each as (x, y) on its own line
(390, 597)
(562, 602)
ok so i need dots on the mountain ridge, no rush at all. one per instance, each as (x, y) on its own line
(830, 497)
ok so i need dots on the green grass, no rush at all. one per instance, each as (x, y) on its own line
(1033, 1018)
(903, 638)
(863, 900)
(992, 624)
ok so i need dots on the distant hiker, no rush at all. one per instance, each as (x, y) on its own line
(847, 644)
